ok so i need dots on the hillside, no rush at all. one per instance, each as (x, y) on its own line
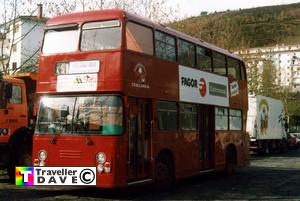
(253, 27)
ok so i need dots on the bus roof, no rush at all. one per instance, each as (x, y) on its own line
(81, 17)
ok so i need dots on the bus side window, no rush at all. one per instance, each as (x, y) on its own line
(139, 38)
(234, 70)
(204, 59)
(221, 118)
(165, 46)
(186, 53)
(219, 63)
(167, 115)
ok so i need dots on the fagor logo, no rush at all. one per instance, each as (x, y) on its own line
(202, 87)
(55, 176)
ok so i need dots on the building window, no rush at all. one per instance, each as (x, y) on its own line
(235, 119)
(219, 63)
(203, 58)
(221, 118)
(139, 38)
(186, 53)
(167, 115)
(165, 46)
(16, 95)
(188, 117)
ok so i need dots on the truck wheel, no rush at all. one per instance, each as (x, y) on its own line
(164, 172)
(230, 162)
(20, 156)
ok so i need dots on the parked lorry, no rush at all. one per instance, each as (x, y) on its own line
(266, 124)
(17, 120)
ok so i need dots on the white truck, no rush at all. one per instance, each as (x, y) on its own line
(266, 124)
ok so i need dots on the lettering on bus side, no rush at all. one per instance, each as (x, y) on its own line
(189, 82)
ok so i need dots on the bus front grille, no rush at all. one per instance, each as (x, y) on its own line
(73, 154)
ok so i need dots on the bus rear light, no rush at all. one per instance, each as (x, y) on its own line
(36, 162)
(101, 157)
(107, 167)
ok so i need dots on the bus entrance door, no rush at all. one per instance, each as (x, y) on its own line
(139, 139)
(206, 142)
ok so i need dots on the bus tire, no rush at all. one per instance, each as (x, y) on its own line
(230, 161)
(164, 172)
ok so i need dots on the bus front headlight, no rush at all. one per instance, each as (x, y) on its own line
(101, 157)
(42, 155)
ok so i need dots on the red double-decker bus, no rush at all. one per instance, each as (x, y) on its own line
(138, 100)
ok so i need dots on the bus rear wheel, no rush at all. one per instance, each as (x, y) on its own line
(230, 162)
(164, 172)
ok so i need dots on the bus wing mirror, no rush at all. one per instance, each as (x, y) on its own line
(8, 90)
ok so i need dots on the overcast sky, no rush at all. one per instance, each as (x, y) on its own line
(194, 7)
(189, 8)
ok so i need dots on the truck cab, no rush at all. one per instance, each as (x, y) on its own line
(17, 120)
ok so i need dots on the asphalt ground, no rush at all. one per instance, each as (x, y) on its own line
(270, 177)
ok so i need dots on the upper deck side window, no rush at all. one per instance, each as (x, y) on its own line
(165, 46)
(219, 64)
(61, 39)
(139, 38)
(234, 69)
(103, 35)
(186, 53)
(204, 59)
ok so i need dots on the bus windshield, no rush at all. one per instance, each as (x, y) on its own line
(104, 35)
(92, 115)
(61, 40)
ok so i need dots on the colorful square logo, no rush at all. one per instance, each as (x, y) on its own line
(24, 176)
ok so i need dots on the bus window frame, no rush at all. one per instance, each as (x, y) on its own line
(62, 26)
(225, 57)
(175, 45)
(211, 59)
(194, 50)
(122, 36)
(242, 127)
(125, 38)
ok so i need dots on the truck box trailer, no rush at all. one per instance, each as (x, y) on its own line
(266, 124)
